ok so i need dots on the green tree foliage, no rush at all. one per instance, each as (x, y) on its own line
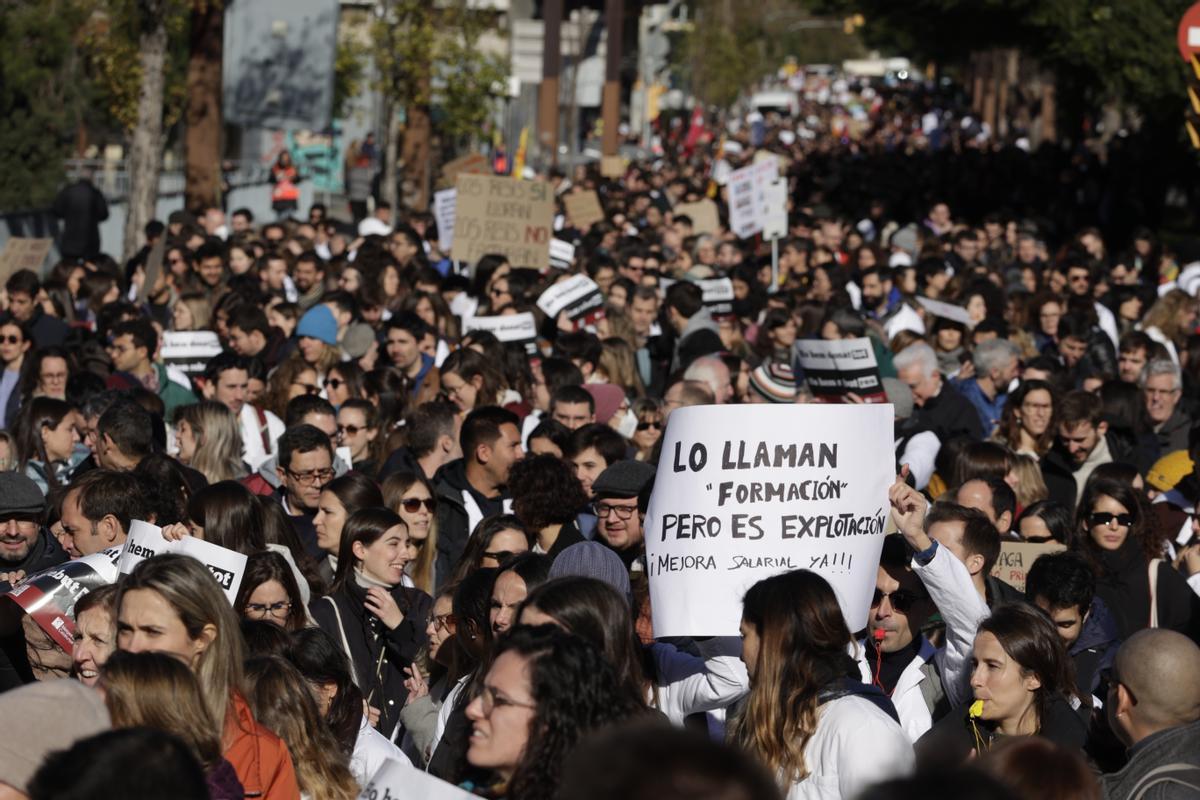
(37, 93)
(472, 79)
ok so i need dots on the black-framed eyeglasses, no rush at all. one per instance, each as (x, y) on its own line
(311, 476)
(902, 599)
(413, 504)
(279, 610)
(645, 426)
(603, 510)
(1100, 518)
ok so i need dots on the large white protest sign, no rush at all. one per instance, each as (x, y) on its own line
(189, 351)
(507, 328)
(146, 541)
(796, 487)
(396, 780)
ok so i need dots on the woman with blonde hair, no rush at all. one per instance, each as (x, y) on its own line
(158, 691)
(171, 604)
(281, 698)
(209, 439)
(411, 496)
(192, 312)
(1031, 486)
(1170, 320)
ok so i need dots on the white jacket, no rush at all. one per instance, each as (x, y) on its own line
(253, 452)
(855, 745)
(950, 586)
(908, 697)
(686, 684)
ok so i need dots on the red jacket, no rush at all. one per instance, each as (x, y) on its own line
(261, 759)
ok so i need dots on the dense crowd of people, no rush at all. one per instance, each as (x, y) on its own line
(444, 531)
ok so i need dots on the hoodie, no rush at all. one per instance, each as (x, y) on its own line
(1096, 646)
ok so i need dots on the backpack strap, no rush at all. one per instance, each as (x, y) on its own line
(1185, 776)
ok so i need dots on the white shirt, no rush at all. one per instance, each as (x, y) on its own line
(371, 750)
(253, 452)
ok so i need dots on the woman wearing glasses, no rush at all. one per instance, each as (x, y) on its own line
(544, 692)
(1027, 422)
(379, 622)
(411, 496)
(269, 593)
(358, 430)
(649, 429)
(1136, 582)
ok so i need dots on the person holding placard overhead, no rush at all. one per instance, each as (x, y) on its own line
(833, 736)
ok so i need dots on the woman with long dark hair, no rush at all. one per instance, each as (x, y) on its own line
(1027, 422)
(1023, 682)
(544, 692)
(340, 498)
(379, 622)
(270, 592)
(1136, 581)
(808, 718)
(47, 440)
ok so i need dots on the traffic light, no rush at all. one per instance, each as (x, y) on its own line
(1192, 116)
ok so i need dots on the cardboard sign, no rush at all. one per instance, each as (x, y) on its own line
(444, 203)
(146, 541)
(22, 254)
(49, 596)
(833, 369)
(583, 208)
(506, 216)
(507, 328)
(470, 164)
(717, 295)
(740, 497)
(578, 296)
(612, 167)
(1017, 557)
(748, 201)
(189, 351)
(396, 780)
(702, 213)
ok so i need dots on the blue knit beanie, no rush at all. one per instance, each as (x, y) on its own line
(318, 322)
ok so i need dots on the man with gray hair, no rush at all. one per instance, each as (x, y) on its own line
(995, 367)
(1153, 706)
(1162, 387)
(711, 370)
(940, 407)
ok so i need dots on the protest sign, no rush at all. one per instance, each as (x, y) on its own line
(702, 213)
(562, 254)
(748, 198)
(506, 216)
(396, 780)
(717, 295)
(583, 208)
(22, 254)
(444, 203)
(49, 596)
(507, 328)
(146, 541)
(775, 221)
(946, 311)
(832, 369)
(470, 164)
(578, 296)
(1017, 557)
(612, 167)
(797, 487)
(189, 351)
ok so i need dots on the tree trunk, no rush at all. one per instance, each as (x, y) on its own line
(202, 115)
(391, 152)
(418, 134)
(145, 148)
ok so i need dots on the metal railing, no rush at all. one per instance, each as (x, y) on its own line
(112, 178)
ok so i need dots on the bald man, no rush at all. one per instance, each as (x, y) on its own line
(1154, 707)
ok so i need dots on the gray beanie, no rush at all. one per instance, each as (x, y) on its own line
(593, 560)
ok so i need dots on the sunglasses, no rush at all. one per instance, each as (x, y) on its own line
(413, 504)
(1099, 518)
(902, 599)
(10, 339)
(307, 387)
(353, 430)
(645, 426)
(334, 383)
